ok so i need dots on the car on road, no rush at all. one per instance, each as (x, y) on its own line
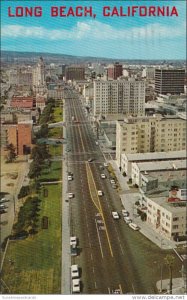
(73, 241)
(112, 181)
(3, 211)
(115, 215)
(125, 213)
(76, 287)
(127, 220)
(100, 193)
(70, 195)
(70, 178)
(74, 251)
(90, 159)
(134, 226)
(103, 176)
(74, 271)
(101, 167)
(97, 143)
(105, 164)
(3, 206)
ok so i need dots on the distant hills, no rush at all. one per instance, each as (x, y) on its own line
(32, 57)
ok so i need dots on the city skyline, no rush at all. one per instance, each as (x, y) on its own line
(134, 38)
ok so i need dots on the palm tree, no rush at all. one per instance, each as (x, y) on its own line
(169, 261)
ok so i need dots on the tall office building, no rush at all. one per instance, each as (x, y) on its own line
(74, 73)
(119, 97)
(169, 81)
(115, 71)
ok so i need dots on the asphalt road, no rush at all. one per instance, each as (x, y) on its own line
(106, 254)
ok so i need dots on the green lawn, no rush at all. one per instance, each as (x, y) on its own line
(55, 150)
(55, 133)
(37, 266)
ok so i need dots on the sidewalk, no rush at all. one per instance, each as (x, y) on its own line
(178, 286)
(66, 259)
(128, 199)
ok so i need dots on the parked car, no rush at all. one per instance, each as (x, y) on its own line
(125, 213)
(105, 164)
(90, 159)
(76, 288)
(70, 178)
(115, 215)
(112, 181)
(74, 271)
(73, 241)
(127, 220)
(70, 195)
(134, 226)
(74, 251)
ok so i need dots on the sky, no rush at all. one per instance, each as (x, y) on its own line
(111, 37)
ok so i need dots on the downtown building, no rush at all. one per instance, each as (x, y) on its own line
(150, 134)
(115, 71)
(74, 72)
(119, 97)
(169, 81)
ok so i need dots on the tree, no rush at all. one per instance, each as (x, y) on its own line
(35, 170)
(11, 155)
(169, 261)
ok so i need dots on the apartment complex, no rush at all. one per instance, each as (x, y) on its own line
(167, 216)
(115, 71)
(119, 97)
(39, 73)
(150, 134)
(74, 73)
(169, 81)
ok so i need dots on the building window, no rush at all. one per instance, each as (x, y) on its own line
(175, 226)
(175, 219)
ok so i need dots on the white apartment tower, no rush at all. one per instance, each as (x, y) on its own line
(39, 73)
(119, 97)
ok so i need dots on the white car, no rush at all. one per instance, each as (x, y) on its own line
(134, 226)
(73, 241)
(103, 176)
(115, 215)
(99, 193)
(127, 220)
(70, 195)
(70, 178)
(74, 271)
(97, 143)
(112, 181)
(125, 213)
(76, 288)
(105, 164)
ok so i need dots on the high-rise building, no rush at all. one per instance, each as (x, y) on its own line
(150, 134)
(74, 72)
(115, 71)
(39, 73)
(119, 97)
(20, 135)
(169, 81)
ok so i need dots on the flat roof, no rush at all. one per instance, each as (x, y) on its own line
(155, 155)
(165, 165)
(162, 201)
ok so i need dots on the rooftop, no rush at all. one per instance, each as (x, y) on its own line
(155, 155)
(166, 165)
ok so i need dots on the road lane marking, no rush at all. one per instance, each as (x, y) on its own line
(99, 239)
(101, 212)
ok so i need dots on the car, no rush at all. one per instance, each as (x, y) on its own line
(74, 271)
(103, 176)
(76, 287)
(112, 181)
(134, 226)
(73, 241)
(90, 159)
(3, 211)
(99, 193)
(97, 143)
(70, 195)
(70, 173)
(105, 164)
(74, 251)
(70, 178)
(127, 220)
(125, 213)
(101, 167)
(115, 215)
(114, 186)
(2, 206)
